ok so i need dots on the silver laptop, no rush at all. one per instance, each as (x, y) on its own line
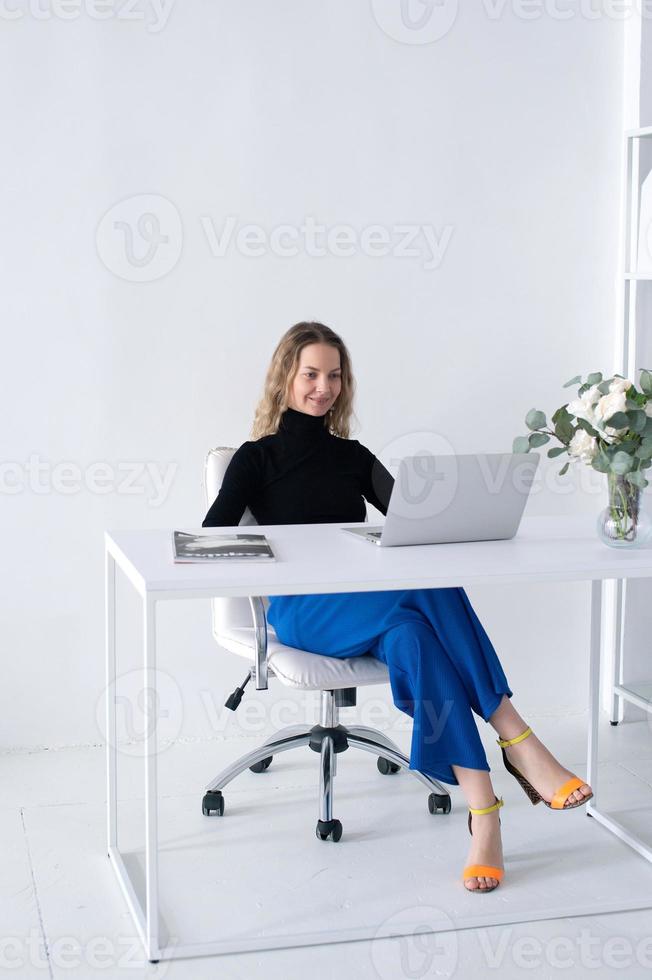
(440, 499)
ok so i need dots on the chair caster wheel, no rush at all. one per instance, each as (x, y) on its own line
(385, 766)
(614, 723)
(328, 828)
(439, 803)
(213, 802)
(262, 765)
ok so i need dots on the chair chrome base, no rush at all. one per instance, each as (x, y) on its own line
(328, 738)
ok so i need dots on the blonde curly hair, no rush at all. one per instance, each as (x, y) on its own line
(282, 371)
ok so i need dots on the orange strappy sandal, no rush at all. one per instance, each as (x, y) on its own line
(562, 794)
(483, 870)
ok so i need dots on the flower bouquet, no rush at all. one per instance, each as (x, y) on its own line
(608, 426)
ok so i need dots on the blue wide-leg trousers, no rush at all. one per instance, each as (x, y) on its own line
(442, 665)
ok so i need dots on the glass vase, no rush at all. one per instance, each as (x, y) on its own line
(623, 523)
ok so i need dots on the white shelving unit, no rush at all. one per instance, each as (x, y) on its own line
(637, 693)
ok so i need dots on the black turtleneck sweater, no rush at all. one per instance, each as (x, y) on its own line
(300, 475)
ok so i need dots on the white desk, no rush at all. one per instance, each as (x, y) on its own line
(318, 558)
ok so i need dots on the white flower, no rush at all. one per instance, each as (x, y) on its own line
(610, 404)
(593, 394)
(583, 446)
(619, 385)
(583, 408)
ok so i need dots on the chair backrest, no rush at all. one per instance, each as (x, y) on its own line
(227, 613)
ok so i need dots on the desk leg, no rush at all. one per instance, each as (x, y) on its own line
(594, 686)
(111, 743)
(616, 679)
(594, 716)
(150, 755)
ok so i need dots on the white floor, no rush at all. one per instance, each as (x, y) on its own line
(260, 868)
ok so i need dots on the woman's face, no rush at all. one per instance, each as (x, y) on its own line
(318, 380)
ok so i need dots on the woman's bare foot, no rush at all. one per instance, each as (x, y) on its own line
(486, 848)
(541, 769)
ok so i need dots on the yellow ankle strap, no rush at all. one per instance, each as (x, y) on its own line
(489, 809)
(504, 742)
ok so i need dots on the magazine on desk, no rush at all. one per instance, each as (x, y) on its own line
(215, 548)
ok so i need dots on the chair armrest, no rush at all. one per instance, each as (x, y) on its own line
(260, 625)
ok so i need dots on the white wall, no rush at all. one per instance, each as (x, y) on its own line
(505, 131)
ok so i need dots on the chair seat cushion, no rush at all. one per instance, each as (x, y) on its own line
(303, 669)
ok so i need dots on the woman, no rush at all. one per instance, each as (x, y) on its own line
(302, 468)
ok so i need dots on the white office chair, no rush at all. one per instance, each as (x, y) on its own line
(240, 625)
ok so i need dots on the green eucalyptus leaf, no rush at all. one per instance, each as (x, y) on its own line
(631, 404)
(621, 463)
(564, 429)
(595, 378)
(537, 439)
(573, 381)
(620, 420)
(637, 479)
(646, 382)
(603, 388)
(637, 421)
(600, 463)
(645, 464)
(521, 445)
(628, 446)
(645, 449)
(556, 451)
(564, 468)
(535, 419)
(583, 424)
(561, 413)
